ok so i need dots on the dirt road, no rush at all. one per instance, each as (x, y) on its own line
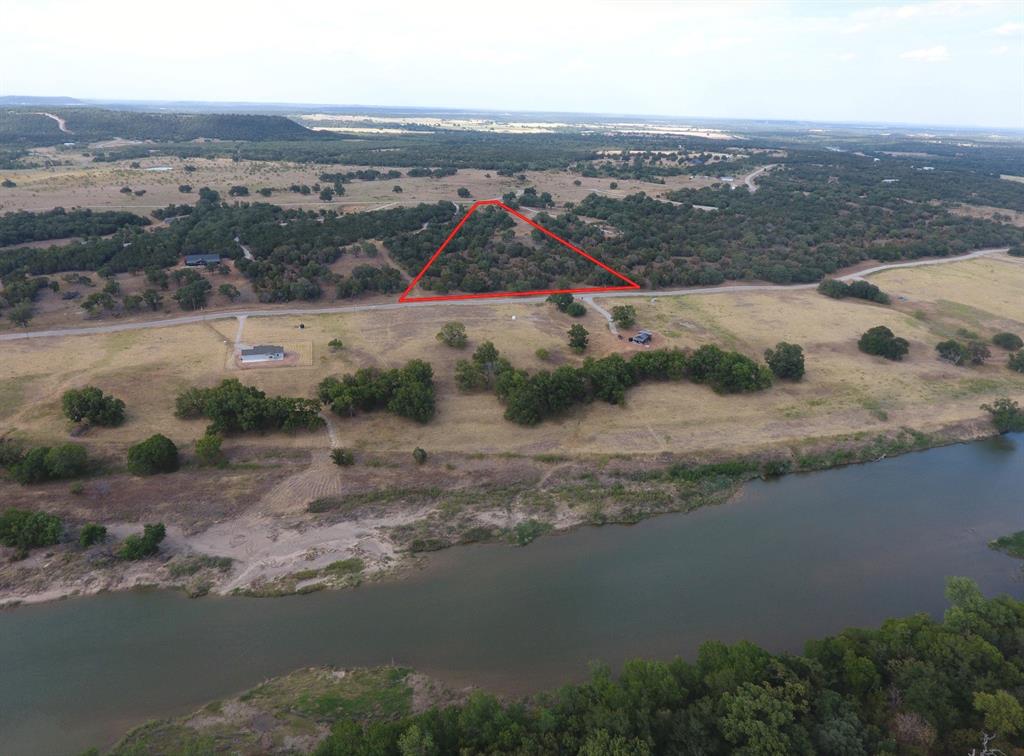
(300, 311)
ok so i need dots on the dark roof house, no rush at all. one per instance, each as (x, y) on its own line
(644, 337)
(202, 260)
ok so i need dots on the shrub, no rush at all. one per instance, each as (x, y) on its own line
(420, 455)
(157, 454)
(66, 461)
(561, 301)
(91, 534)
(463, 192)
(951, 351)
(336, 345)
(208, 449)
(27, 530)
(883, 342)
(453, 334)
(543, 354)
(1009, 341)
(529, 530)
(342, 457)
(624, 315)
(578, 337)
(775, 468)
(135, 547)
(1016, 361)
(786, 360)
(93, 406)
(576, 310)
(1006, 414)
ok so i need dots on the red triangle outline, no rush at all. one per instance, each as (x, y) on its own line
(630, 284)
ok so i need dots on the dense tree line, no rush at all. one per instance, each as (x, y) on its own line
(531, 398)
(233, 408)
(23, 226)
(293, 249)
(914, 685)
(407, 391)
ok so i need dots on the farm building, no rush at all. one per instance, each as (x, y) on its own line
(262, 353)
(644, 337)
(194, 260)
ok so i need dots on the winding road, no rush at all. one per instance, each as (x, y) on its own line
(589, 298)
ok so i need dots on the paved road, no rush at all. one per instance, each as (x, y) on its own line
(300, 311)
(749, 180)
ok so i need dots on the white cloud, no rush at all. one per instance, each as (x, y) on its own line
(1001, 50)
(855, 28)
(1009, 29)
(935, 54)
(846, 56)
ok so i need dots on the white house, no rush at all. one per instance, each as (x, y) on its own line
(262, 353)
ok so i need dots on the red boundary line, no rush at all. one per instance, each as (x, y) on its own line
(630, 284)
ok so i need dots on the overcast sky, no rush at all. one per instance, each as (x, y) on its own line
(950, 63)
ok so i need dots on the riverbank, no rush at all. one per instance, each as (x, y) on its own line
(798, 557)
(342, 541)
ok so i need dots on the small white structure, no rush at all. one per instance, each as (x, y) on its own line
(262, 353)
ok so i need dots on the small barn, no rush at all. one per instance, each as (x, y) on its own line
(195, 260)
(262, 353)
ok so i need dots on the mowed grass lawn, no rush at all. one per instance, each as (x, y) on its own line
(843, 392)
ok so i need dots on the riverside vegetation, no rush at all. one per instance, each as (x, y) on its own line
(913, 685)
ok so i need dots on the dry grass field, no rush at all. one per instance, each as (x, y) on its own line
(98, 185)
(484, 474)
(843, 392)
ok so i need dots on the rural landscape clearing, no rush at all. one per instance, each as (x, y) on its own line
(528, 426)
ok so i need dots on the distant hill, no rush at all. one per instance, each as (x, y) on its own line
(36, 102)
(27, 126)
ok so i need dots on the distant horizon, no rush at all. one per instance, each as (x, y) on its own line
(934, 63)
(433, 109)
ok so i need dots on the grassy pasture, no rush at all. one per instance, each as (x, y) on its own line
(843, 392)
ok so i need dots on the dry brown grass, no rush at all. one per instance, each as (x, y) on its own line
(97, 185)
(844, 391)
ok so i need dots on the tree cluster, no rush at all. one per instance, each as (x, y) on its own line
(531, 398)
(881, 341)
(25, 530)
(23, 226)
(40, 464)
(957, 353)
(91, 405)
(786, 361)
(234, 408)
(407, 391)
(832, 287)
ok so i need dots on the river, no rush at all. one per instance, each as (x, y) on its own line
(783, 562)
